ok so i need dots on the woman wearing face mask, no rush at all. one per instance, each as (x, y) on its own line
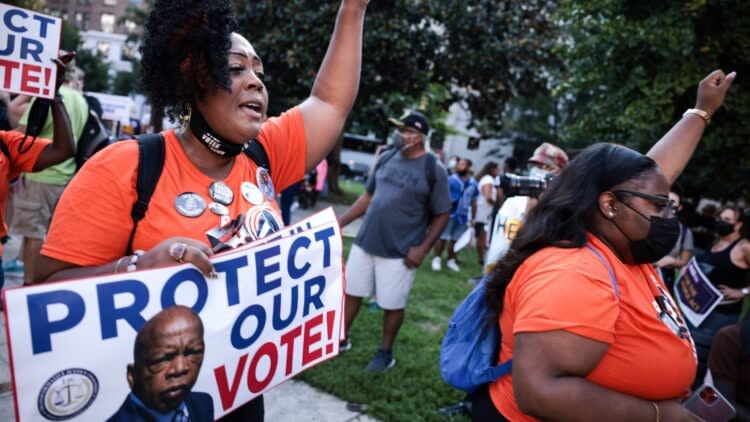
(197, 67)
(726, 264)
(586, 345)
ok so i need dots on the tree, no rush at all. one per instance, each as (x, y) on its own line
(633, 68)
(28, 4)
(417, 54)
(71, 38)
(126, 83)
(96, 70)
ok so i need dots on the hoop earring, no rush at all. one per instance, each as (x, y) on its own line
(187, 113)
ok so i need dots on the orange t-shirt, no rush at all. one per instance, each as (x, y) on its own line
(18, 163)
(570, 289)
(92, 221)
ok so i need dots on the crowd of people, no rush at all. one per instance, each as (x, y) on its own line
(588, 341)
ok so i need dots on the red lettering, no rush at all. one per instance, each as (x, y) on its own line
(31, 75)
(253, 383)
(310, 339)
(228, 394)
(288, 341)
(8, 68)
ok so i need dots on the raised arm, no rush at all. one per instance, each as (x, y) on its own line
(337, 83)
(673, 151)
(62, 146)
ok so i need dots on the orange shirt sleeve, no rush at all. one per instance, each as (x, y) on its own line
(553, 297)
(92, 222)
(283, 138)
(23, 162)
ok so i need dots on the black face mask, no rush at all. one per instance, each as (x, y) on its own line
(212, 140)
(663, 233)
(722, 228)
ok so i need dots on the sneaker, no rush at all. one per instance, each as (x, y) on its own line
(453, 265)
(13, 266)
(436, 264)
(345, 344)
(381, 361)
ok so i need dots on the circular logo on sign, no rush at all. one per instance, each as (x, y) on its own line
(67, 394)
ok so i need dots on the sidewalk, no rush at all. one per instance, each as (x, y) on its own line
(292, 401)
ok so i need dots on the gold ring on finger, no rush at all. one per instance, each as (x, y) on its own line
(177, 251)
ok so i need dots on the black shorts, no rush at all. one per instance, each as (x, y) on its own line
(478, 228)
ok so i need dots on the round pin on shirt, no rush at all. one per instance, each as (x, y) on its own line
(218, 209)
(263, 179)
(251, 193)
(190, 204)
(221, 193)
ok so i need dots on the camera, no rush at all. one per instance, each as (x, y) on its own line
(515, 185)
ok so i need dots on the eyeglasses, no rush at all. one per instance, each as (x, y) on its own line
(663, 204)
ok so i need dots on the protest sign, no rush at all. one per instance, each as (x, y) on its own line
(695, 294)
(28, 42)
(274, 311)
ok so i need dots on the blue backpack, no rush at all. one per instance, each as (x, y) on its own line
(470, 347)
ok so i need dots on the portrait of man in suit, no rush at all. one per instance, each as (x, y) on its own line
(167, 358)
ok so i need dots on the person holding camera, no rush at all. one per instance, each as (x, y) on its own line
(518, 195)
(590, 328)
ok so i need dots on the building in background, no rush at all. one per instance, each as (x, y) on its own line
(99, 24)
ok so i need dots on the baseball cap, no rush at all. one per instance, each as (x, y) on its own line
(549, 155)
(414, 120)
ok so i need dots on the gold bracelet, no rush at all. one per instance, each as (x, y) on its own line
(700, 113)
(117, 264)
(658, 412)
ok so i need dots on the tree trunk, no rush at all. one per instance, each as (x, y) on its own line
(334, 167)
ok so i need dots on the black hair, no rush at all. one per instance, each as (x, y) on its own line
(566, 210)
(184, 51)
(487, 169)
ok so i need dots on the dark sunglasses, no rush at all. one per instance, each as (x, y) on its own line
(662, 203)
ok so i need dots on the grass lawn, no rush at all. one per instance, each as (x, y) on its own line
(413, 389)
(351, 190)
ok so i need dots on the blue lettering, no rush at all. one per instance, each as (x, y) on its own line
(189, 275)
(240, 342)
(313, 298)
(8, 20)
(325, 237)
(32, 48)
(278, 322)
(10, 46)
(109, 314)
(41, 326)
(262, 270)
(230, 268)
(43, 22)
(294, 272)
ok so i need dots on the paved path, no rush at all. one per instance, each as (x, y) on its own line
(293, 401)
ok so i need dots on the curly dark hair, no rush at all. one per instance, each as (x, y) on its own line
(565, 213)
(184, 51)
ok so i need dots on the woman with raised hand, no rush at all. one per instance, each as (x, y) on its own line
(590, 327)
(196, 67)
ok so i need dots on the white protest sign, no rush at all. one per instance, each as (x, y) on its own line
(275, 310)
(695, 294)
(28, 42)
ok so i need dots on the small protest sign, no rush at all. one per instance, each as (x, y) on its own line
(28, 42)
(695, 294)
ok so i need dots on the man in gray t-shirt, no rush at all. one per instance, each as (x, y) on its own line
(406, 206)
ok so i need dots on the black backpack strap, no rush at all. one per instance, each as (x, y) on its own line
(257, 153)
(430, 164)
(744, 340)
(150, 164)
